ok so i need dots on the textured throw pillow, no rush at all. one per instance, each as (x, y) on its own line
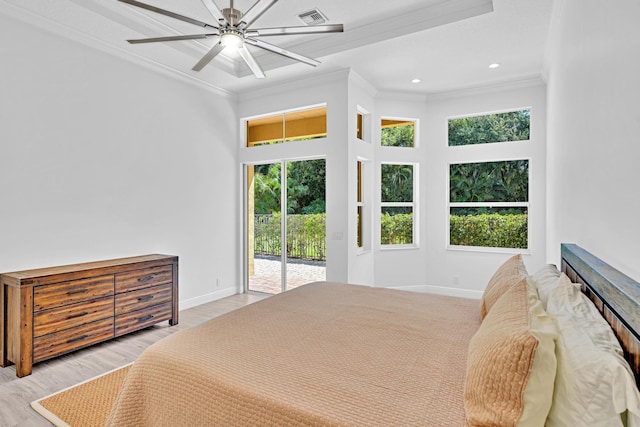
(545, 280)
(594, 384)
(511, 363)
(507, 275)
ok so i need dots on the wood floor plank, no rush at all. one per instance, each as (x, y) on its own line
(48, 377)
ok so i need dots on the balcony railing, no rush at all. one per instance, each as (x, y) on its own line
(306, 236)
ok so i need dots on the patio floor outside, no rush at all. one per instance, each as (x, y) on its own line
(266, 277)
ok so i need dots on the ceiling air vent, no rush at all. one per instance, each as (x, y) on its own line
(313, 17)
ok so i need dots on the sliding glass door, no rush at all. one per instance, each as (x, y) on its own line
(285, 209)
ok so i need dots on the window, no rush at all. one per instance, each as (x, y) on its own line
(363, 124)
(397, 204)
(489, 128)
(489, 204)
(286, 127)
(397, 133)
(360, 207)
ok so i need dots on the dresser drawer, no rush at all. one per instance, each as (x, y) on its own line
(72, 339)
(138, 279)
(69, 316)
(143, 298)
(51, 296)
(139, 319)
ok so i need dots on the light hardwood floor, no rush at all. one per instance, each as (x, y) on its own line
(56, 374)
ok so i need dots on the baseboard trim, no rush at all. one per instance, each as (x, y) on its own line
(442, 290)
(203, 299)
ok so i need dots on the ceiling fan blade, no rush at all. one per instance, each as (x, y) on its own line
(172, 38)
(213, 9)
(281, 31)
(281, 51)
(208, 57)
(168, 13)
(251, 62)
(260, 7)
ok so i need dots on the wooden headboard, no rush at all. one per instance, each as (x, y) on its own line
(616, 295)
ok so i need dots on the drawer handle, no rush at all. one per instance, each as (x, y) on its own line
(77, 291)
(145, 298)
(147, 317)
(80, 338)
(146, 278)
(73, 316)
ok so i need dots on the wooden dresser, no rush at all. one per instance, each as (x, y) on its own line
(47, 312)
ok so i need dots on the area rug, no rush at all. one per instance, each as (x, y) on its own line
(87, 404)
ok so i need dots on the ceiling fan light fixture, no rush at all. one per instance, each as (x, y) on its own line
(231, 40)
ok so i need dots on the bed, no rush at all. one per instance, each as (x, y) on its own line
(340, 354)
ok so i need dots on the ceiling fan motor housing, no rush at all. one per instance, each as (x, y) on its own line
(232, 15)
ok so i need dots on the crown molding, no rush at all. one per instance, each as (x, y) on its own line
(296, 84)
(520, 83)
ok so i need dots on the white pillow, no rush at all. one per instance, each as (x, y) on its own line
(594, 385)
(545, 280)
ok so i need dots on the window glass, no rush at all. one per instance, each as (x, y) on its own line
(397, 204)
(360, 207)
(359, 126)
(488, 128)
(489, 204)
(504, 181)
(397, 133)
(286, 127)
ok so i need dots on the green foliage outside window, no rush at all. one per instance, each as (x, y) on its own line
(396, 183)
(493, 230)
(504, 181)
(499, 127)
(396, 229)
(486, 182)
(397, 136)
(305, 187)
(305, 236)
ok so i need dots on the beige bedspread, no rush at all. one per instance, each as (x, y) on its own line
(321, 354)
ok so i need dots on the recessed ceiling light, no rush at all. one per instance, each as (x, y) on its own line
(415, 80)
(494, 65)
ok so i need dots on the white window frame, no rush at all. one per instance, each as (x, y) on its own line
(414, 205)
(451, 204)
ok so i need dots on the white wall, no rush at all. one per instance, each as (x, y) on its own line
(594, 118)
(102, 158)
(405, 267)
(361, 260)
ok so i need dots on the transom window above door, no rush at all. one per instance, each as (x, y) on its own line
(298, 125)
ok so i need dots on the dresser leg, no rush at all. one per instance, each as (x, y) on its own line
(23, 368)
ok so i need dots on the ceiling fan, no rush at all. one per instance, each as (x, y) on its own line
(233, 31)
